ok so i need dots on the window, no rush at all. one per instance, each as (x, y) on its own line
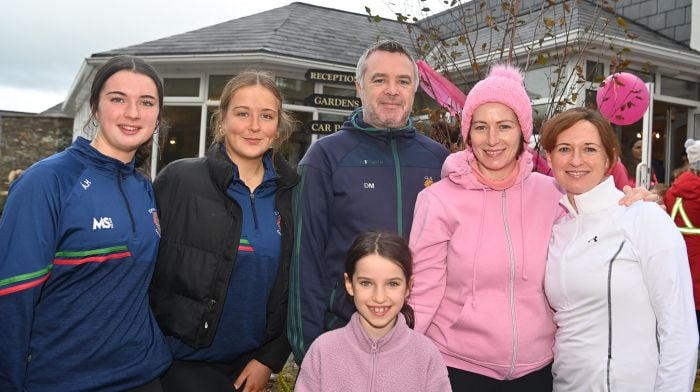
(182, 136)
(340, 91)
(538, 81)
(424, 103)
(293, 149)
(294, 91)
(181, 87)
(645, 76)
(331, 117)
(539, 115)
(216, 86)
(209, 131)
(680, 88)
(595, 72)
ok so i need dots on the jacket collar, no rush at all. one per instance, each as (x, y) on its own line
(356, 122)
(458, 169)
(393, 339)
(220, 171)
(600, 198)
(82, 148)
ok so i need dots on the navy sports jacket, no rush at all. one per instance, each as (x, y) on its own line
(78, 242)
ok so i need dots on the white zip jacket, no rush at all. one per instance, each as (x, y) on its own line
(619, 283)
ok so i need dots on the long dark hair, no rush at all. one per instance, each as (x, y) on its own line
(391, 247)
(628, 160)
(139, 66)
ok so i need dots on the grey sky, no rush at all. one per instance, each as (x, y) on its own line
(43, 43)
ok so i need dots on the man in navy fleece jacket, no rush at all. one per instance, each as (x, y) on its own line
(365, 176)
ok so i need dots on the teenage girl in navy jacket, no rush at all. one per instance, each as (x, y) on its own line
(79, 236)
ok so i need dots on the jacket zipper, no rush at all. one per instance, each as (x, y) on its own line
(211, 304)
(399, 193)
(255, 214)
(373, 369)
(610, 331)
(331, 323)
(126, 201)
(511, 287)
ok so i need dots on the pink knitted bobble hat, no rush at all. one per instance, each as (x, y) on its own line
(503, 84)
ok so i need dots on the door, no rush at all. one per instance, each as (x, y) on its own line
(661, 134)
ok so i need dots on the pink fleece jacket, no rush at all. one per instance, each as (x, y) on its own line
(348, 360)
(479, 262)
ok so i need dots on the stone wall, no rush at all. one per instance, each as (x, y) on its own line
(25, 139)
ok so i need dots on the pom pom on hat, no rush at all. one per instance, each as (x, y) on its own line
(504, 84)
(692, 148)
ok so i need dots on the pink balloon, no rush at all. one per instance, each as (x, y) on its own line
(622, 98)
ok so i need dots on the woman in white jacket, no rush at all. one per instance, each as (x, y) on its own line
(617, 278)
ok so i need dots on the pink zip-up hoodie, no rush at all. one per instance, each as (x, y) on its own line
(479, 262)
(348, 360)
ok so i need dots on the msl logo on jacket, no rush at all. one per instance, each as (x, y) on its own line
(104, 222)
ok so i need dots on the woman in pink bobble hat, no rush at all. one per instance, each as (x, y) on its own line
(480, 238)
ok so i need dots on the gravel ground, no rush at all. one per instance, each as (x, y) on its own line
(284, 381)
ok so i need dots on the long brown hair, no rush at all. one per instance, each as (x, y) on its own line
(285, 126)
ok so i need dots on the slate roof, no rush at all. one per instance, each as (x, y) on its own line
(297, 30)
(54, 111)
(584, 14)
(311, 32)
(15, 113)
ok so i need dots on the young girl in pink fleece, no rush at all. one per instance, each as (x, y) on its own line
(378, 349)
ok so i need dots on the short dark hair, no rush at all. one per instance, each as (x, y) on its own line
(136, 65)
(390, 246)
(385, 45)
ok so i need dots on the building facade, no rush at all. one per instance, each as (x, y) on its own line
(312, 51)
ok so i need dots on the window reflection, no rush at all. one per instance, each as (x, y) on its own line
(340, 91)
(181, 87)
(293, 149)
(182, 137)
(595, 71)
(680, 88)
(537, 82)
(216, 85)
(294, 91)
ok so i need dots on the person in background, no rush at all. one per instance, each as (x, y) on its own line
(630, 158)
(624, 170)
(676, 172)
(617, 278)
(683, 203)
(377, 350)
(220, 288)
(79, 238)
(365, 176)
(479, 242)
